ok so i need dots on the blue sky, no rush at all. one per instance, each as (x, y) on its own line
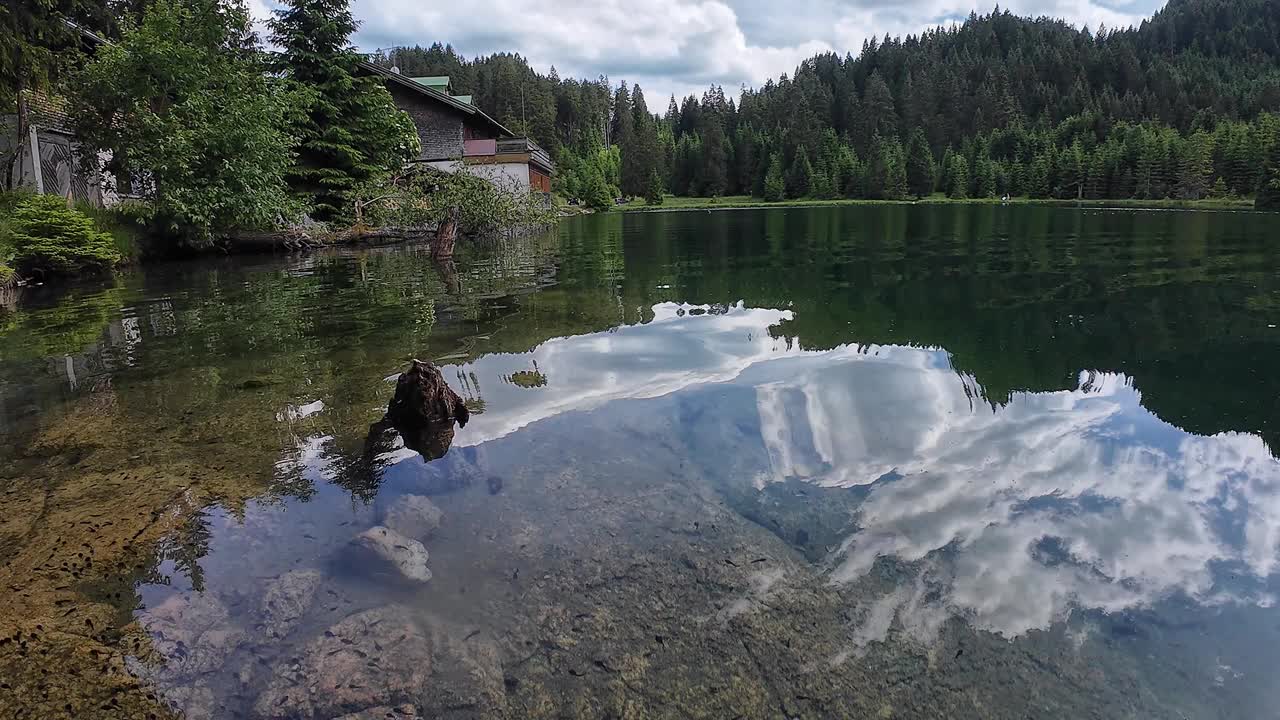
(680, 46)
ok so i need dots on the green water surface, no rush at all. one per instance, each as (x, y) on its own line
(902, 461)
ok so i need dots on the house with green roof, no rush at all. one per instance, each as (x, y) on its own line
(455, 135)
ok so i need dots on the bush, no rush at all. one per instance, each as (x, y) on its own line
(48, 237)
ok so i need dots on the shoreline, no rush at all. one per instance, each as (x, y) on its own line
(743, 202)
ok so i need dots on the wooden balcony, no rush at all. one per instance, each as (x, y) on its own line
(508, 150)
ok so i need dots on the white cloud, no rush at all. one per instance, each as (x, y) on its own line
(681, 46)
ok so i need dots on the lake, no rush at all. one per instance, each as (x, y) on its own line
(876, 462)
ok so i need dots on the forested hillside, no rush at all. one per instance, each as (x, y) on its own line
(1181, 106)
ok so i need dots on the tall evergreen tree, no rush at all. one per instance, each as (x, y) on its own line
(774, 185)
(920, 167)
(1269, 189)
(799, 175)
(957, 180)
(349, 131)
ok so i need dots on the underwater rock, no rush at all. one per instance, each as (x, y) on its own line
(406, 555)
(193, 632)
(385, 712)
(423, 399)
(287, 599)
(194, 702)
(375, 658)
(413, 516)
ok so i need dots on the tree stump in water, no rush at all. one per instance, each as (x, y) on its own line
(446, 234)
(423, 398)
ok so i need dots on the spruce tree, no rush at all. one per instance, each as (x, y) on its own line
(920, 168)
(349, 131)
(958, 178)
(1269, 189)
(653, 192)
(800, 175)
(774, 186)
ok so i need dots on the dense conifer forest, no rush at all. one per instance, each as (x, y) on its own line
(1182, 106)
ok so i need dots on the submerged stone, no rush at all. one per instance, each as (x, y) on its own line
(287, 599)
(413, 516)
(406, 555)
(374, 658)
(193, 633)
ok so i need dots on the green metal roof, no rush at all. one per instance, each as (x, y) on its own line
(433, 81)
(464, 98)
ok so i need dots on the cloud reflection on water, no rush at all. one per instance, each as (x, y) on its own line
(1021, 512)
(1055, 500)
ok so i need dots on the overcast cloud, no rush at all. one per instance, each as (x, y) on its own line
(681, 46)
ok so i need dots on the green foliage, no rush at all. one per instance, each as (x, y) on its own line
(654, 191)
(887, 171)
(47, 237)
(202, 140)
(1269, 188)
(596, 192)
(348, 128)
(799, 175)
(956, 180)
(774, 185)
(591, 176)
(920, 169)
(421, 196)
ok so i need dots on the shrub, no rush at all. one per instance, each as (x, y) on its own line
(50, 238)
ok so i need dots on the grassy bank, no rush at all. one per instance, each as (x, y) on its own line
(734, 202)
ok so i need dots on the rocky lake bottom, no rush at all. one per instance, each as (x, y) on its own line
(700, 480)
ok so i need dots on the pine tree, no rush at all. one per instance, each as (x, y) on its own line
(800, 175)
(958, 178)
(984, 177)
(1195, 166)
(1269, 189)
(886, 172)
(653, 193)
(774, 187)
(1038, 177)
(879, 114)
(920, 167)
(714, 168)
(596, 192)
(350, 130)
(640, 150)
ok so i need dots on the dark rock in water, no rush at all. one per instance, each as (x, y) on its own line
(802, 537)
(495, 484)
(413, 516)
(407, 556)
(424, 399)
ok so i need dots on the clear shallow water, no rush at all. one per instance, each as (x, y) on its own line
(893, 462)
